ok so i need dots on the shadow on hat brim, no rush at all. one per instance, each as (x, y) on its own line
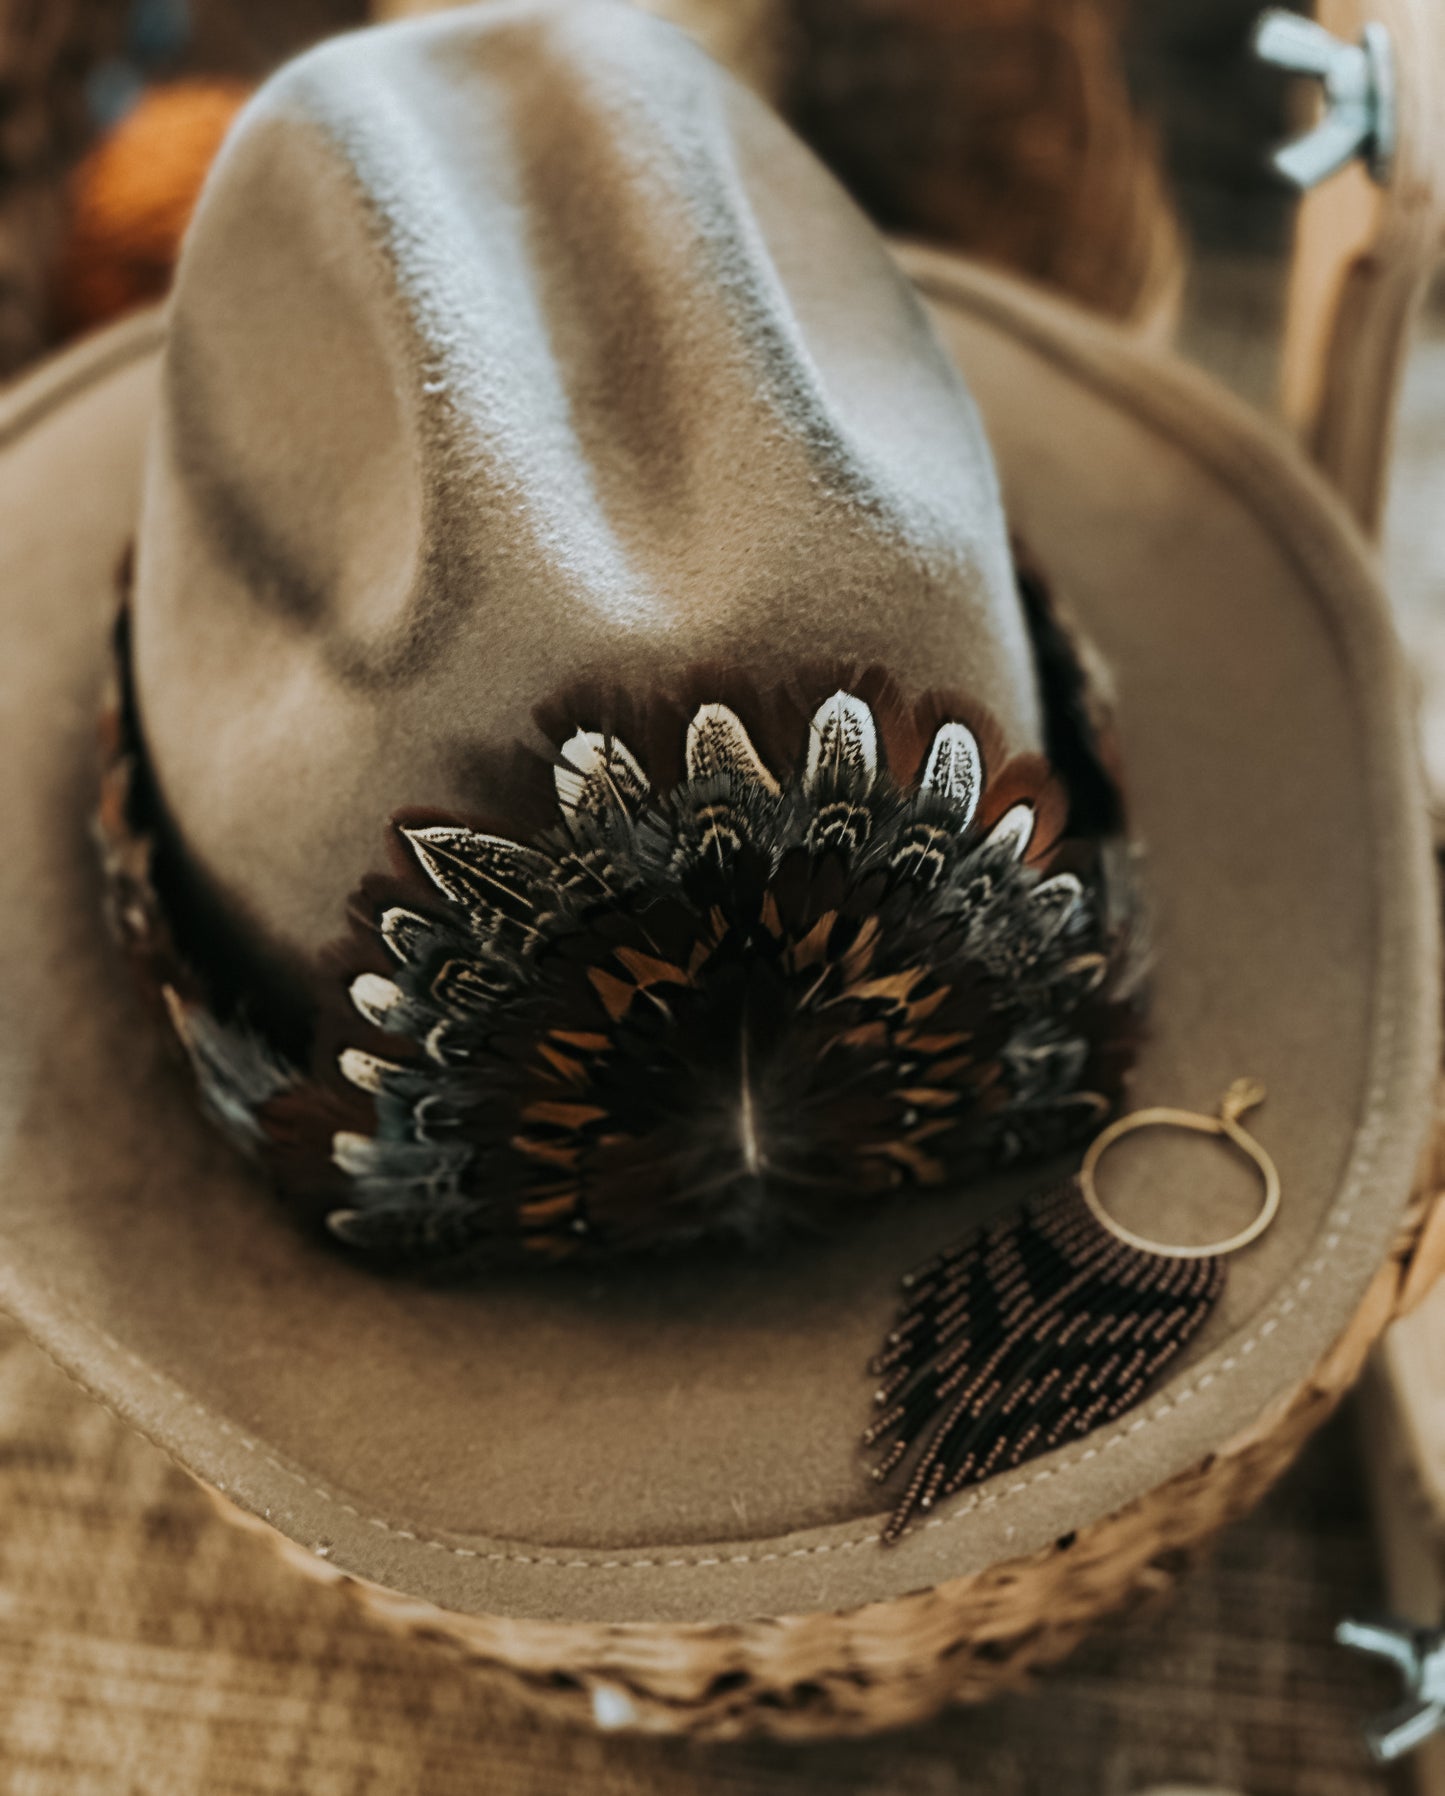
(678, 1442)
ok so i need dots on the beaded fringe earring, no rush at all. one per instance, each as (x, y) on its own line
(1044, 1324)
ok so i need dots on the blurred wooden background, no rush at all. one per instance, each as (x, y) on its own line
(1111, 148)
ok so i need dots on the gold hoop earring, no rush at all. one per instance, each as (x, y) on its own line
(1045, 1324)
(1242, 1097)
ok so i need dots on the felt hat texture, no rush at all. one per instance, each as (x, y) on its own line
(520, 343)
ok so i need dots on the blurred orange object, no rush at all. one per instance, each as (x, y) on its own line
(131, 199)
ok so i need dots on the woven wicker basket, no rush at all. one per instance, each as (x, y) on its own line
(887, 1664)
(890, 1663)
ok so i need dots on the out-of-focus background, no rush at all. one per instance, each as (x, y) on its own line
(1115, 150)
(1112, 148)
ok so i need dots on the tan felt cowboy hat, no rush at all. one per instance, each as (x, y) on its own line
(543, 475)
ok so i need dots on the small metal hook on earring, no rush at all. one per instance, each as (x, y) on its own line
(1242, 1096)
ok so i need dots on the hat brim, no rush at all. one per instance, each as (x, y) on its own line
(678, 1443)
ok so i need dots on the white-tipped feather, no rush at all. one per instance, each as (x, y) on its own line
(351, 1153)
(367, 1072)
(401, 929)
(475, 870)
(615, 944)
(1014, 831)
(375, 998)
(955, 769)
(596, 774)
(717, 744)
(842, 745)
(1055, 901)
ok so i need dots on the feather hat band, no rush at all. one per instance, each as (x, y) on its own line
(736, 1003)
(588, 772)
(810, 936)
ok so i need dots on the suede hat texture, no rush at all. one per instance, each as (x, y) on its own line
(518, 345)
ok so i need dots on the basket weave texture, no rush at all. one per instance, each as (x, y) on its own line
(892, 1663)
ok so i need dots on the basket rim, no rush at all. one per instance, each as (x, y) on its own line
(799, 1572)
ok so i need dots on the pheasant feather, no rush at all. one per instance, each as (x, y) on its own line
(724, 1009)
(723, 994)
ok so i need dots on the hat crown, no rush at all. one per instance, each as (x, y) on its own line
(509, 347)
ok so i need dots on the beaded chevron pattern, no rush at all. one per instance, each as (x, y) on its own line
(1026, 1334)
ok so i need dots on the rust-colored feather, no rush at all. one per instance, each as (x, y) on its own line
(752, 972)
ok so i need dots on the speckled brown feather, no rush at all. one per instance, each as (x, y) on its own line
(725, 1001)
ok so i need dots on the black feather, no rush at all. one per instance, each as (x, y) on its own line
(728, 1008)
(732, 1005)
